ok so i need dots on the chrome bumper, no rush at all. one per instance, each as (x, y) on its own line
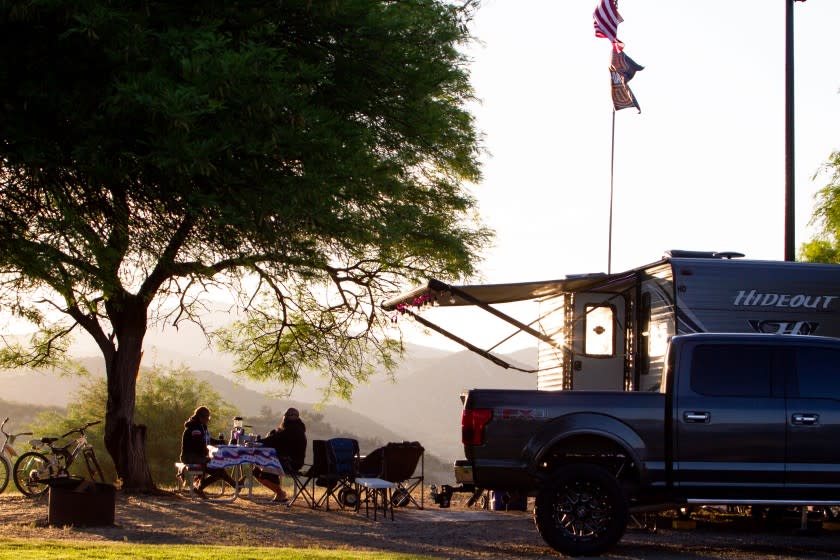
(463, 472)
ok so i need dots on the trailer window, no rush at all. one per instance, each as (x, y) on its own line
(658, 334)
(599, 339)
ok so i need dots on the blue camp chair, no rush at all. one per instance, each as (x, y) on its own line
(341, 462)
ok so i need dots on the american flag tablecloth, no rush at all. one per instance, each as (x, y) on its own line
(223, 456)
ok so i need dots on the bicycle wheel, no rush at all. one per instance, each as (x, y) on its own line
(30, 472)
(5, 471)
(93, 467)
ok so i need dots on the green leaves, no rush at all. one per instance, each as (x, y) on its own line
(168, 148)
(166, 398)
(47, 348)
(296, 337)
(825, 247)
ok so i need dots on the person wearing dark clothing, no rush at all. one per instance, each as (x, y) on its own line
(289, 441)
(194, 442)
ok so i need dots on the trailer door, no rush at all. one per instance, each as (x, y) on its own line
(598, 342)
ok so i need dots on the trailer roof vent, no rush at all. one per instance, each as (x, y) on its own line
(729, 255)
(681, 254)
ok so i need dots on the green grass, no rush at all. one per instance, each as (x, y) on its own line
(20, 549)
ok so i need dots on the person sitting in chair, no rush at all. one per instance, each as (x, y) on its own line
(194, 442)
(289, 441)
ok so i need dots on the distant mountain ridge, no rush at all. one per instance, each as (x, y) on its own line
(421, 404)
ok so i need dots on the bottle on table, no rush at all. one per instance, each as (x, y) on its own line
(238, 430)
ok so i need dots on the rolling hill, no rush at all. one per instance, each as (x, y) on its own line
(421, 403)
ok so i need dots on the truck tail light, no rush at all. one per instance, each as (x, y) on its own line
(473, 421)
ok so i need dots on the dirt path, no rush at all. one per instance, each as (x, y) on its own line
(172, 519)
(457, 532)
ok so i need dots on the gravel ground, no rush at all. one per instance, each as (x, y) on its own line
(457, 532)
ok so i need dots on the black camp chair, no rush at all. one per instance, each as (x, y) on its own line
(397, 463)
(304, 481)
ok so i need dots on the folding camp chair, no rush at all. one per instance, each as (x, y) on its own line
(400, 462)
(303, 483)
(342, 455)
(304, 487)
(304, 479)
(397, 463)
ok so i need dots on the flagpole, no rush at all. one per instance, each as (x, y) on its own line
(612, 166)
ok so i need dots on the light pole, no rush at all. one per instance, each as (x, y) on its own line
(790, 200)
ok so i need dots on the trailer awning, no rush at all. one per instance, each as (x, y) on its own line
(484, 296)
(439, 293)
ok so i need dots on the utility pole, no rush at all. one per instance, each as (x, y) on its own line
(790, 200)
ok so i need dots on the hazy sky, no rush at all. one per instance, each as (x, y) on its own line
(702, 167)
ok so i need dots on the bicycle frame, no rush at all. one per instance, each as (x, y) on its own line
(61, 457)
(8, 449)
(47, 460)
(69, 456)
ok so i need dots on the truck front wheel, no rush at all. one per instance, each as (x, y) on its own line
(581, 511)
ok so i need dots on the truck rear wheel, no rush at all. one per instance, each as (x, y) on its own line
(582, 511)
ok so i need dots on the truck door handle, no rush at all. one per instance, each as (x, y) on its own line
(696, 417)
(805, 419)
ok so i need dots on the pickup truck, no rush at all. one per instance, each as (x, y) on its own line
(740, 419)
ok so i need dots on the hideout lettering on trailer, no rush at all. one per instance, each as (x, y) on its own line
(754, 298)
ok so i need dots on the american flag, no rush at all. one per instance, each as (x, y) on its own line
(622, 70)
(606, 20)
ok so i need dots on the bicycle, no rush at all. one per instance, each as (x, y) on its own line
(7, 454)
(34, 469)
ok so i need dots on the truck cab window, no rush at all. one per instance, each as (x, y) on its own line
(818, 372)
(732, 370)
(599, 321)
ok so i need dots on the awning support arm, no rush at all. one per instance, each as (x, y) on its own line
(483, 353)
(508, 337)
(438, 285)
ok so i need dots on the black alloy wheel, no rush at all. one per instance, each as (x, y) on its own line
(582, 511)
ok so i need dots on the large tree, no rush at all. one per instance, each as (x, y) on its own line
(306, 157)
(166, 397)
(825, 246)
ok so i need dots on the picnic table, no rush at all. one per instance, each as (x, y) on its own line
(242, 459)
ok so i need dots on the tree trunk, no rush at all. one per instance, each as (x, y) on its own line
(126, 441)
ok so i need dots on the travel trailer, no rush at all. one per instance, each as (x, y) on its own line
(610, 331)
